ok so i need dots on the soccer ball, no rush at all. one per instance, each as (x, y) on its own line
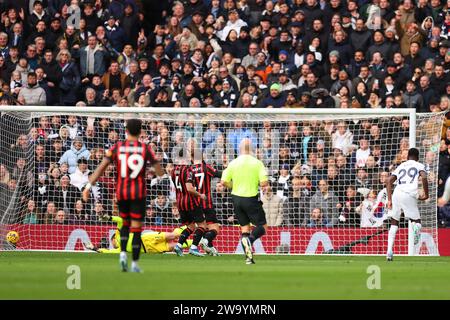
(12, 237)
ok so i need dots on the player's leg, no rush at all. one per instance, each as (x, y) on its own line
(124, 212)
(137, 216)
(394, 216)
(211, 233)
(417, 227)
(200, 221)
(171, 236)
(391, 238)
(411, 211)
(187, 220)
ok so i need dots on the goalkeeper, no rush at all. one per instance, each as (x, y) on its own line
(151, 242)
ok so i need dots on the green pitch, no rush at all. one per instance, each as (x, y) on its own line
(35, 275)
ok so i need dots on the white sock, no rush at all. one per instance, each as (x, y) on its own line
(193, 247)
(179, 245)
(134, 264)
(123, 255)
(391, 238)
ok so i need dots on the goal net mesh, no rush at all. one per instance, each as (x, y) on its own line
(327, 177)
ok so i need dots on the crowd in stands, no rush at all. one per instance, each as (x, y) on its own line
(224, 54)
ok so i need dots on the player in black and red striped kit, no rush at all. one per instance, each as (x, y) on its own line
(131, 158)
(188, 204)
(203, 174)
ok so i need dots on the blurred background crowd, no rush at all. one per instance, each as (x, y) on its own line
(225, 54)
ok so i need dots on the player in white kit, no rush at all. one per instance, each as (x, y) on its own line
(405, 196)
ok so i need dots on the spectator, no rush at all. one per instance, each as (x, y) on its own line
(79, 214)
(161, 211)
(79, 178)
(32, 215)
(92, 59)
(65, 195)
(224, 205)
(77, 151)
(115, 78)
(327, 202)
(50, 212)
(427, 93)
(60, 218)
(32, 93)
(273, 207)
(412, 98)
(317, 219)
(70, 81)
(297, 204)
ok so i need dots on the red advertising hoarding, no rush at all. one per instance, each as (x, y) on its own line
(277, 239)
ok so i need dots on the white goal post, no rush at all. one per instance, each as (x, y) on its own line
(327, 169)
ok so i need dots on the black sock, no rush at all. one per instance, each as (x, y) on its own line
(257, 233)
(136, 245)
(184, 236)
(124, 234)
(198, 234)
(210, 236)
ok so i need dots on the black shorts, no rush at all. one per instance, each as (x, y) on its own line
(196, 215)
(210, 216)
(132, 209)
(249, 210)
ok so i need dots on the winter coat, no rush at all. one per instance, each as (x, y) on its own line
(360, 40)
(413, 100)
(277, 102)
(99, 61)
(72, 156)
(69, 84)
(273, 207)
(34, 96)
(327, 205)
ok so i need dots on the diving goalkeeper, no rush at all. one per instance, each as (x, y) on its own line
(152, 242)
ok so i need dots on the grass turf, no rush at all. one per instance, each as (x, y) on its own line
(39, 275)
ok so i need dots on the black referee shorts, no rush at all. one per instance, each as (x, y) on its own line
(132, 209)
(249, 209)
(196, 215)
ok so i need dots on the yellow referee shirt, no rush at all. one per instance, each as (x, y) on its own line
(246, 173)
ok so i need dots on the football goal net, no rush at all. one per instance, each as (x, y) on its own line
(327, 171)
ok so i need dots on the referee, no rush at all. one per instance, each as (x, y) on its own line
(243, 175)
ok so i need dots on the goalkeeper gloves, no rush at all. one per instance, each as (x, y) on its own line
(90, 246)
(105, 218)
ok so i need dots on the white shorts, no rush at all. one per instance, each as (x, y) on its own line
(407, 203)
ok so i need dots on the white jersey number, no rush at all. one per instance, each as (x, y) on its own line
(135, 162)
(202, 177)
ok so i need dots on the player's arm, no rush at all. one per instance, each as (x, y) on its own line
(191, 189)
(226, 178)
(263, 177)
(159, 170)
(426, 194)
(96, 175)
(389, 189)
(213, 172)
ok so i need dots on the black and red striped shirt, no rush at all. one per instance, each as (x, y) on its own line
(131, 158)
(181, 175)
(203, 174)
